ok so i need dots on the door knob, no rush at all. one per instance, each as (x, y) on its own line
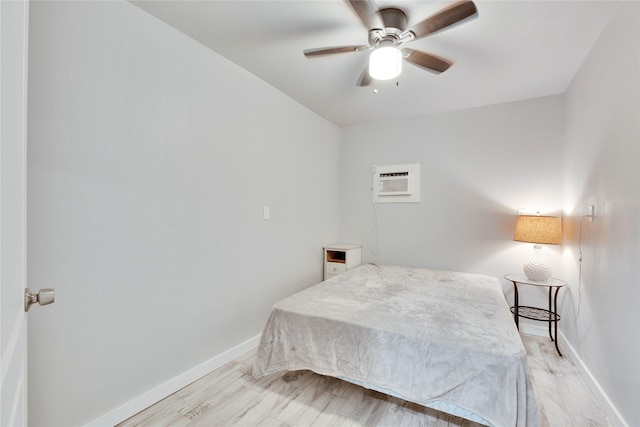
(43, 297)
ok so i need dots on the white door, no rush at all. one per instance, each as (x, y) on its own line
(14, 16)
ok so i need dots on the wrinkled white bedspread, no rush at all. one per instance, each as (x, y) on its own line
(426, 335)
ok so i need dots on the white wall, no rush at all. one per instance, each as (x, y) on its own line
(478, 166)
(150, 159)
(602, 168)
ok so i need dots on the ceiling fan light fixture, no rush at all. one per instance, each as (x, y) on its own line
(385, 63)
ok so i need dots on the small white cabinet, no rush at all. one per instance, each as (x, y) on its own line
(341, 257)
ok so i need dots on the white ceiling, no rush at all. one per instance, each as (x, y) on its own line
(514, 50)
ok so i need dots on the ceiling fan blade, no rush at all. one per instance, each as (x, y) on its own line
(309, 53)
(365, 79)
(367, 11)
(445, 18)
(432, 63)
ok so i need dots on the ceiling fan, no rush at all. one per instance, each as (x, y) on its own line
(388, 33)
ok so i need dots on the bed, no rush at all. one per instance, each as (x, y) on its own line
(441, 339)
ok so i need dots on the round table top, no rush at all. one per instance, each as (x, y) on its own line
(521, 278)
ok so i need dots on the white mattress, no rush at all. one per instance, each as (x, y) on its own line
(440, 339)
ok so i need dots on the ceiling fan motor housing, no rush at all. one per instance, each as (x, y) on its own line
(394, 31)
(394, 19)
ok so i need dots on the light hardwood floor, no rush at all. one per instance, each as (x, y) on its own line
(230, 396)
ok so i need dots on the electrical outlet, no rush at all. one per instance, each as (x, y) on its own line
(591, 213)
(266, 213)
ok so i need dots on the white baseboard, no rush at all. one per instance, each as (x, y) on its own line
(154, 395)
(610, 411)
(535, 330)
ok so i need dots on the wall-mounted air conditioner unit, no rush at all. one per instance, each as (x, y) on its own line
(396, 183)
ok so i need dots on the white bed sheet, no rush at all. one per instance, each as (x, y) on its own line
(436, 338)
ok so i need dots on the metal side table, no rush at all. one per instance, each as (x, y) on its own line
(535, 313)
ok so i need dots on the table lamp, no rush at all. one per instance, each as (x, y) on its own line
(538, 229)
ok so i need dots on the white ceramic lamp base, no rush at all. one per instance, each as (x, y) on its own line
(537, 268)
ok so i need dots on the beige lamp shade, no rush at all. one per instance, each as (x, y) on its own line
(538, 229)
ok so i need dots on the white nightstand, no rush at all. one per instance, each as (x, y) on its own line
(341, 257)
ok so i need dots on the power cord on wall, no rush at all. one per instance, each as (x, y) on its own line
(375, 246)
(374, 243)
(580, 267)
